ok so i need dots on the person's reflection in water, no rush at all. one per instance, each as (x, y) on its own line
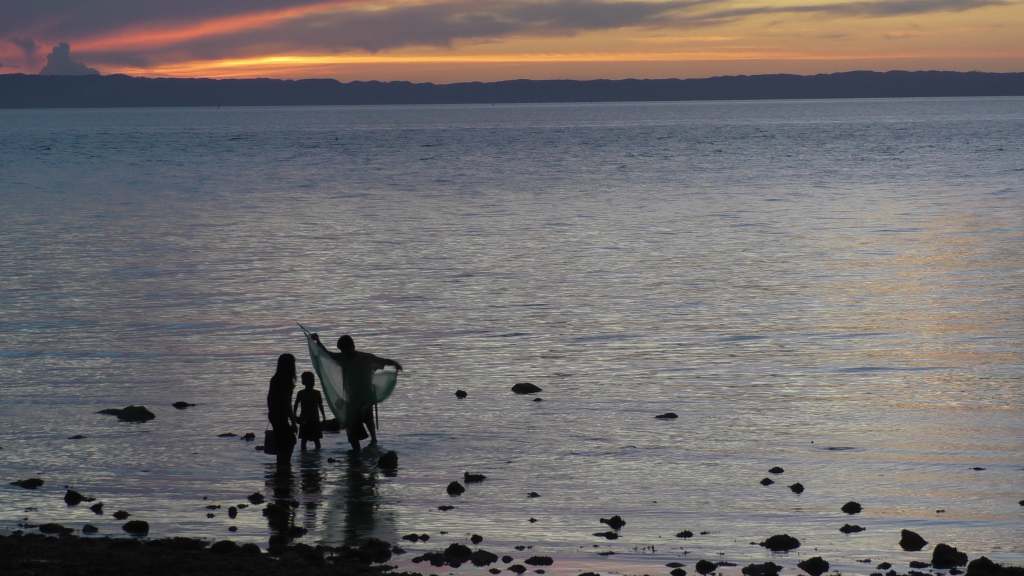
(311, 479)
(280, 511)
(361, 501)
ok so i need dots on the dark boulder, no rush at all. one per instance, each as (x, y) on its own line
(851, 528)
(609, 535)
(76, 437)
(73, 498)
(677, 572)
(517, 568)
(533, 495)
(130, 413)
(918, 564)
(121, 515)
(815, 566)
(984, 567)
(684, 534)
(539, 561)
(388, 460)
(89, 529)
(945, 556)
(797, 488)
(476, 538)
(781, 543)
(249, 437)
(182, 406)
(445, 507)
(97, 508)
(911, 541)
(250, 548)
(852, 508)
(457, 553)
(473, 478)
(766, 569)
(28, 483)
(615, 522)
(460, 394)
(884, 566)
(455, 489)
(776, 470)
(767, 481)
(232, 512)
(667, 416)
(256, 498)
(526, 388)
(136, 527)
(52, 528)
(705, 567)
(224, 547)
(483, 558)
(507, 559)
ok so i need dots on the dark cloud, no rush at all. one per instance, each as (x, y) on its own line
(863, 9)
(60, 63)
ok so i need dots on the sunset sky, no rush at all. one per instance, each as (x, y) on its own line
(458, 40)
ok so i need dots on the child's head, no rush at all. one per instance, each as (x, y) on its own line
(307, 379)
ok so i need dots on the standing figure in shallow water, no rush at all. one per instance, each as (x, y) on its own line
(309, 412)
(279, 409)
(358, 368)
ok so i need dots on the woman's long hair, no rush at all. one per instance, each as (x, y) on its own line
(285, 373)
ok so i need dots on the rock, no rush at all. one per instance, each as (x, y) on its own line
(28, 484)
(136, 527)
(471, 478)
(911, 541)
(232, 512)
(678, 572)
(483, 558)
(797, 488)
(130, 413)
(538, 399)
(766, 569)
(984, 567)
(495, 570)
(256, 498)
(776, 470)
(210, 515)
(918, 564)
(533, 495)
(445, 508)
(53, 528)
(667, 416)
(458, 553)
(674, 565)
(455, 489)
(227, 435)
(250, 548)
(539, 561)
(615, 522)
(767, 481)
(224, 547)
(76, 437)
(89, 529)
(476, 538)
(517, 568)
(507, 559)
(232, 528)
(815, 566)
(249, 437)
(533, 520)
(781, 543)
(388, 461)
(705, 567)
(851, 508)
(609, 535)
(589, 574)
(526, 388)
(121, 515)
(97, 508)
(460, 394)
(945, 556)
(851, 528)
(412, 537)
(977, 468)
(884, 566)
(684, 534)
(73, 498)
(182, 406)
(212, 506)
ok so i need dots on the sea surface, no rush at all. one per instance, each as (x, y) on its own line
(833, 287)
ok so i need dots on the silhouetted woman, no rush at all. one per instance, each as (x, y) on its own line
(279, 409)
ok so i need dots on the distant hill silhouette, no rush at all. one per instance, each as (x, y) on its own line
(24, 91)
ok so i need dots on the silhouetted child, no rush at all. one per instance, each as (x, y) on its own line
(309, 412)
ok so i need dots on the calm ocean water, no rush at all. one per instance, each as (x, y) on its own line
(835, 287)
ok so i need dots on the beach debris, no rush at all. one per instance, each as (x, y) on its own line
(767, 481)
(483, 558)
(54, 528)
(28, 483)
(609, 535)
(852, 507)
(667, 416)
(473, 478)
(526, 388)
(476, 538)
(76, 437)
(74, 498)
(911, 541)
(249, 436)
(533, 495)
(97, 508)
(851, 528)
(121, 515)
(460, 394)
(388, 460)
(445, 507)
(455, 489)
(781, 543)
(705, 567)
(130, 413)
(797, 488)
(776, 470)
(815, 566)
(677, 572)
(945, 556)
(766, 569)
(227, 435)
(89, 529)
(539, 561)
(256, 498)
(182, 405)
(136, 527)
(615, 522)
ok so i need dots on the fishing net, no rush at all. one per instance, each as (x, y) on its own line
(340, 398)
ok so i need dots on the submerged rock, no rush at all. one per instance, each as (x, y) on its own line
(445, 507)
(476, 538)
(815, 566)
(911, 541)
(28, 483)
(130, 413)
(797, 488)
(182, 405)
(851, 528)
(256, 498)
(388, 461)
(136, 527)
(89, 529)
(460, 394)
(472, 478)
(76, 437)
(54, 528)
(74, 498)
(705, 567)
(609, 535)
(483, 558)
(945, 556)
(227, 435)
(533, 495)
(455, 489)
(684, 534)
(97, 508)
(526, 388)
(121, 515)
(249, 437)
(776, 470)
(232, 512)
(766, 569)
(781, 543)
(767, 481)
(667, 416)
(615, 522)
(517, 568)
(852, 507)
(677, 572)
(539, 561)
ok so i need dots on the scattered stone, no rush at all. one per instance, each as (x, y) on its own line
(495, 570)
(615, 522)
(852, 508)
(388, 461)
(29, 483)
(589, 574)
(776, 470)
(609, 535)
(476, 538)
(705, 567)
(97, 508)
(851, 528)
(130, 413)
(445, 508)
(232, 528)
(684, 534)
(797, 488)
(539, 561)
(210, 515)
(232, 512)
(53, 528)
(256, 498)
(766, 569)
(412, 537)
(675, 565)
(815, 566)
(984, 567)
(455, 489)
(667, 416)
(533, 495)
(182, 406)
(76, 437)
(249, 436)
(517, 568)
(945, 556)
(73, 498)
(526, 388)
(507, 559)
(911, 541)
(918, 564)
(977, 468)
(678, 572)
(781, 543)
(767, 481)
(136, 527)
(227, 435)
(483, 558)
(470, 478)
(538, 399)
(884, 566)
(89, 529)
(460, 394)
(457, 553)
(533, 520)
